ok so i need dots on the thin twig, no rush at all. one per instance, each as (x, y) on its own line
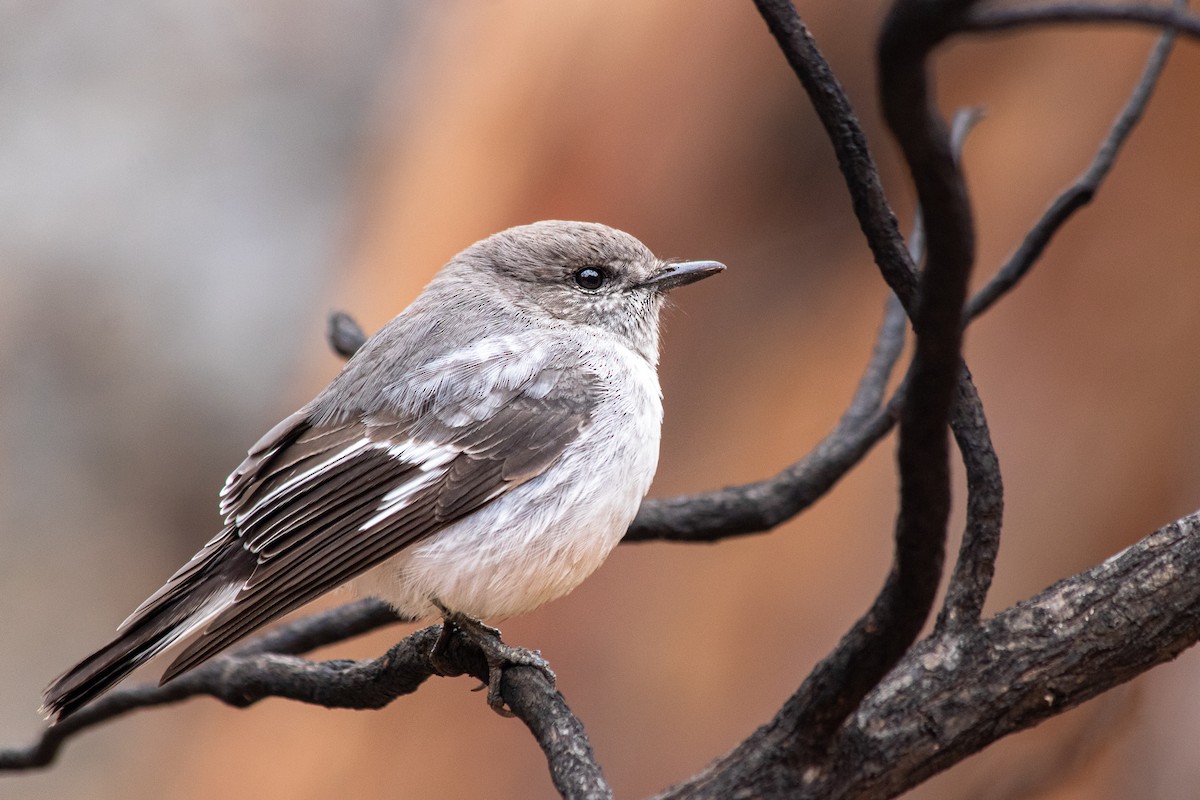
(328, 627)
(985, 488)
(760, 506)
(889, 344)
(965, 120)
(972, 576)
(1081, 192)
(343, 334)
(1003, 19)
(976, 562)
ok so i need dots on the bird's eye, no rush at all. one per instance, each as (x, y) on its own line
(590, 278)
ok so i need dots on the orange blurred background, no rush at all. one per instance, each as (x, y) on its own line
(194, 190)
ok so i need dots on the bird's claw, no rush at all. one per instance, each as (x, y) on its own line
(498, 655)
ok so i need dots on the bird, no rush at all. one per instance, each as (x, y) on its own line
(477, 457)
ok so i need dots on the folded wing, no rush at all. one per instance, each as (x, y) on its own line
(319, 501)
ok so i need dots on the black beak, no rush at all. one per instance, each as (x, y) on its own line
(684, 272)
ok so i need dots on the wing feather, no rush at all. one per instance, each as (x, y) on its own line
(327, 500)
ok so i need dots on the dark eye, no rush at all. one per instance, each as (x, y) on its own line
(590, 278)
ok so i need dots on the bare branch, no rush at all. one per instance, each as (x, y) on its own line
(965, 120)
(874, 215)
(560, 734)
(1002, 19)
(760, 506)
(976, 563)
(1081, 192)
(268, 667)
(1070, 643)
(335, 625)
(954, 694)
(972, 575)
(799, 734)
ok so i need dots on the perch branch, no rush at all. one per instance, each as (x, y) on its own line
(267, 666)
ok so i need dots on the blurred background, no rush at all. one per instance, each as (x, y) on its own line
(188, 190)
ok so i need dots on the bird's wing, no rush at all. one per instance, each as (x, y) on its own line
(318, 502)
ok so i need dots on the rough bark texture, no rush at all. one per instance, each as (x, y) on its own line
(956, 693)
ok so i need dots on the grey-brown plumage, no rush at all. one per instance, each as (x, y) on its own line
(482, 453)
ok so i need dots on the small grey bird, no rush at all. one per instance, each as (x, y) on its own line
(479, 456)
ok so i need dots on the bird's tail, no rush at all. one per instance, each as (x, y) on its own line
(189, 601)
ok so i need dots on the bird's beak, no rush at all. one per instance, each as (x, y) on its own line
(683, 272)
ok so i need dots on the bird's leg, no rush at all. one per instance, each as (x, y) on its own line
(438, 654)
(498, 654)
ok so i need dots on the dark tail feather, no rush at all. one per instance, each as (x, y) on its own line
(195, 594)
(99, 671)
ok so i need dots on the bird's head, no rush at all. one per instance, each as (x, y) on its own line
(581, 273)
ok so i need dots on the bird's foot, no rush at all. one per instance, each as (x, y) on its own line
(498, 655)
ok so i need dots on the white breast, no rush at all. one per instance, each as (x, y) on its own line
(540, 540)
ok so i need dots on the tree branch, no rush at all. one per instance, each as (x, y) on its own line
(268, 667)
(973, 571)
(769, 760)
(779, 755)
(1003, 19)
(880, 637)
(335, 625)
(1081, 192)
(760, 506)
(833, 108)
(953, 695)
